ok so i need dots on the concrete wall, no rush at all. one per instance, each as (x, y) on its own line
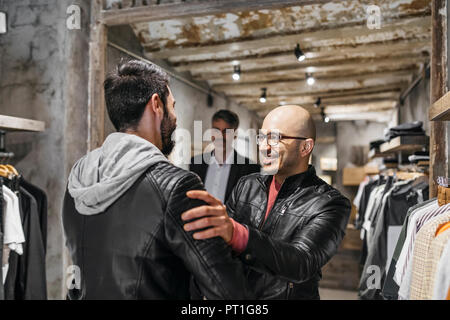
(326, 150)
(353, 134)
(43, 68)
(416, 105)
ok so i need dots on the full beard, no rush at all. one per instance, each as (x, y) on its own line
(167, 127)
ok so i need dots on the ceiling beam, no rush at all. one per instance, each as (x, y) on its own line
(340, 83)
(399, 86)
(358, 34)
(194, 9)
(341, 67)
(314, 55)
(308, 101)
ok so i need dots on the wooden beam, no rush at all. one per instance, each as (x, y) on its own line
(195, 9)
(251, 102)
(298, 87)
(378, 116)
(20, 124)
(439, 135)
(97, 63)
(336, 108)
(358, 34)
(330, 93)
(321, 54)
(341, 67)
(440, 110)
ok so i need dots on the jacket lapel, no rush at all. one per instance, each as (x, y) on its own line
(234, 174)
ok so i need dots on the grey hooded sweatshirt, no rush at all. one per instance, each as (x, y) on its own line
(99, 178)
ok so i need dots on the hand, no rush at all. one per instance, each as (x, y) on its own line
(213, 215)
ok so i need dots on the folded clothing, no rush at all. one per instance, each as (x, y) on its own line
(375, 144)
(405, 129)
(408, 126)
(414, 158)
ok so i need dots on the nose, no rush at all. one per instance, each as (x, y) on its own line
(265, 147)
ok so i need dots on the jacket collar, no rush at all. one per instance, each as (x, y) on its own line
(293, 182)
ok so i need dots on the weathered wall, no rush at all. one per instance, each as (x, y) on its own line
(349, 134)
(416, 105)
(43, 75)
(326, 150)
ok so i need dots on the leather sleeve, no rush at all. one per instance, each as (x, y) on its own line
(308, 250)
(217, 273)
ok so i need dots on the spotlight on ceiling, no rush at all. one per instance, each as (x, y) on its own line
(310, 79)
(237, 73)
(299, 53)
(325, 118)
(263, 97)
(317, 103)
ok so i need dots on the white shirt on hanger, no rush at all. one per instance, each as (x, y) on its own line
(13, 232)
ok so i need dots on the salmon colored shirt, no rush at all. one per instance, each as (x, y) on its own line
(240, 234)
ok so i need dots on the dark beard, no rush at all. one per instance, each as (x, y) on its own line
(167, 127)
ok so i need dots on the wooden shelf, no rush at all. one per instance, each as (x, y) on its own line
(353, 176)
(20, 124)
(440, 110)
(405, 143)
(375, 153)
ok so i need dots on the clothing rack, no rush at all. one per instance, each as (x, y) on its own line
(23, 206)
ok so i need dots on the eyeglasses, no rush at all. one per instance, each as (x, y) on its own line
(273, 138)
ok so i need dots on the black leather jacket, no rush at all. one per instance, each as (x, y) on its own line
(285, 254)
(137, 248)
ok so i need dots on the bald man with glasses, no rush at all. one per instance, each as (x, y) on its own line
(284, 223)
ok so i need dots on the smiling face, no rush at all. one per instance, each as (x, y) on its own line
(281, 158)
(289, 156)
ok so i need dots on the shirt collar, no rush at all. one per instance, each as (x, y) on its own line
(228, 160)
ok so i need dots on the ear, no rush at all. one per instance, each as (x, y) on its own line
(307, 146)
(155, 105)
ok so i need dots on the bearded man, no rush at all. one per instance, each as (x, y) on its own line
(122, 207)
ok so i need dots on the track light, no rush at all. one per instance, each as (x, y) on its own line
(310, 79)
(317, 103)
(299, 53)
(325, 118)
(237, 73)
(263, 97)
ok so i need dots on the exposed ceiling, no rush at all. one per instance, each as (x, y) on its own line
(360, 72)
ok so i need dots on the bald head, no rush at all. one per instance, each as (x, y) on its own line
(291, 120)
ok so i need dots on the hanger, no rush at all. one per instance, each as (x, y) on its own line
(12, 169)
(4, 173)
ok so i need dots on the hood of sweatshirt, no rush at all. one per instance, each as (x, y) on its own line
(104, 174)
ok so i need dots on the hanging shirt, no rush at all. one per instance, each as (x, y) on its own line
(442, 277)
(390, 287)
(422, 264)
(13, 231)
(216, 179)
(401, 267)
